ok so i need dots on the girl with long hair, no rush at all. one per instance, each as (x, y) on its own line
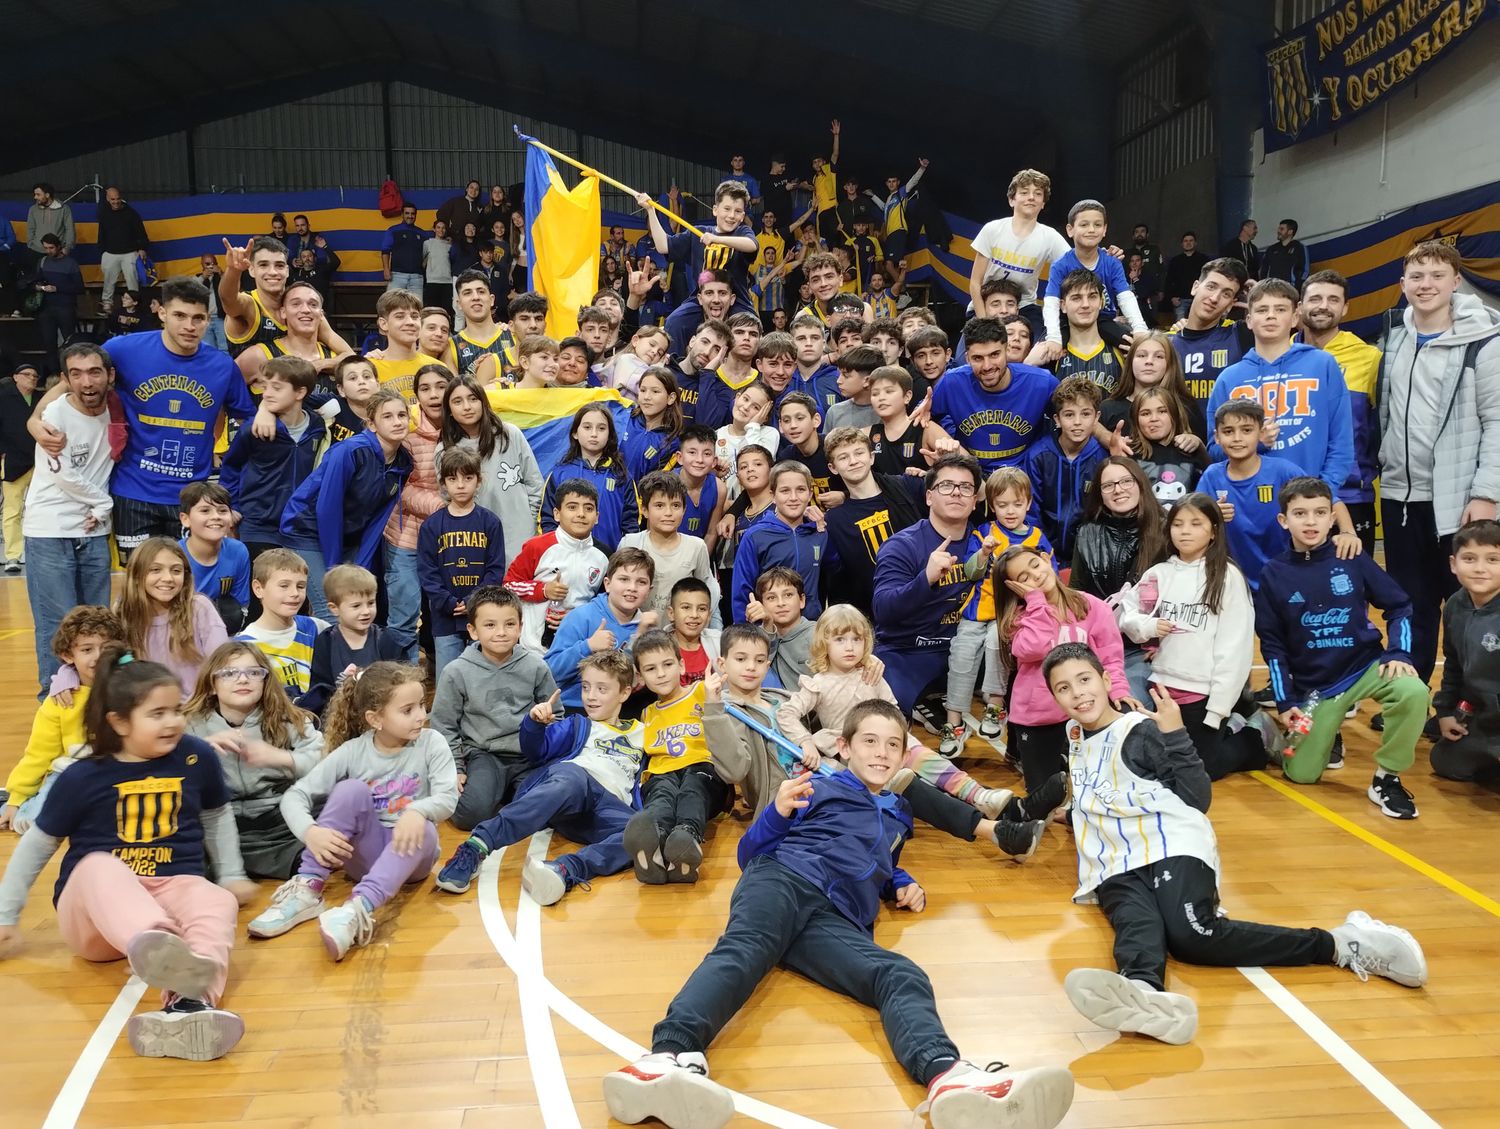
(1195, 607)
(594, 455)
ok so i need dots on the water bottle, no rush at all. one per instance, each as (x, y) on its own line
(1463, 713)
(1300, 726)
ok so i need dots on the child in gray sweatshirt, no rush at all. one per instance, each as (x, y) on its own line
(482, 697)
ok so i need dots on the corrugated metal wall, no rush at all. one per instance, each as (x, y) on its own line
(1154, 133)
(320, 142)
(150, 168)
(1294, 12)
(335, 140)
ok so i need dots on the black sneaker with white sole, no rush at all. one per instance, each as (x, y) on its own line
(1044, 802)
(931, 715)
(1335, 755)
(1019, 840)
(1391, 797)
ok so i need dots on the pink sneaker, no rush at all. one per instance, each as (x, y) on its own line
(966, 1097)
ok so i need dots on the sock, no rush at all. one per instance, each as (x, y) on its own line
(484, 848)
(1381, 774)
(364, 901)
(937, 1067)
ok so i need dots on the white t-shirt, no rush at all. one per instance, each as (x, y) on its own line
(612, 756)
(66, 490)
(1021, 259)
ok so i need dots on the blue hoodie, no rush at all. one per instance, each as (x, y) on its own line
(341, 508)
(1312, 616)
(570, 645)
(1304, 394)
(261, 475)
(771, 542)
(1059, 485)
(619, 508)
(845, 842)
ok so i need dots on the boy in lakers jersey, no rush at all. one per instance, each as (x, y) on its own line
(1147, 855)
(665, 839)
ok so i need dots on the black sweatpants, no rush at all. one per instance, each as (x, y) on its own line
(1172, 906)
(687, 798)
(1221, 751)
(1042, 751)
(778, 917)
(1472, 759)
(490, 780)
(1417, 559)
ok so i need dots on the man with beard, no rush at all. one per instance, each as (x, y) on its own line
(67, 518)
(1324, 295)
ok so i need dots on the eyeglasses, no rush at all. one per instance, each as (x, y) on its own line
(948, 487)
(242, 673)
(1118, 486)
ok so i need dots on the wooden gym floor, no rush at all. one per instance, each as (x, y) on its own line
(486, 1010)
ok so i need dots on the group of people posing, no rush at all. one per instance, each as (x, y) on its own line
(760, 556)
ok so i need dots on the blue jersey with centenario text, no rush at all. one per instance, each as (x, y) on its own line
(996, 428)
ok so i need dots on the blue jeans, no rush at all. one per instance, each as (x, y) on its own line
(446, 648)
(214, 335)
(778, 917)
(571, 802)
(316, 570)
(61, 574)
(403, 594)
(412, 282)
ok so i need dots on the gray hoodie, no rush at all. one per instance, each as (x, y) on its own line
(1440, 423)
(743, 757)
(56, 219)
(479, 705)
(791, 653)
(258, 790)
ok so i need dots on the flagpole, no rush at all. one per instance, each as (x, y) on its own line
(586, 171)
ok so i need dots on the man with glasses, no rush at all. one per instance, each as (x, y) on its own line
(920, 586)
(990, 408)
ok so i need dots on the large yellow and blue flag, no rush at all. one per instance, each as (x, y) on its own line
(545, 415)
(562, 239)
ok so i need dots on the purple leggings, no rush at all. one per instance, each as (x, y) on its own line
(375, 866)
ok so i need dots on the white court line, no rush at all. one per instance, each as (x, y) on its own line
(1380, 1087)
(524, 957)
(80, 1081)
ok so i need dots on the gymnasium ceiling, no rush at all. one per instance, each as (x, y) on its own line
(982, 82)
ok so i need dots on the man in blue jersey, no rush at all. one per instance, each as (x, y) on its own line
(989, 408)
(728, 244)
(172, 388)
(1206, 342)
(920, 586)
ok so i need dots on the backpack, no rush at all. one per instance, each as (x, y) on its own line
(390, 202)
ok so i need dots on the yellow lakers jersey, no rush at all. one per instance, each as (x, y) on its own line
(675, 737)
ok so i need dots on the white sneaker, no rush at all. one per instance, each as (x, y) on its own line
(165, 961)
(296, 900)
(346, 927)
(186, 1029)
(1364, 945)
(991, 801)
(673, 1088)
(1108, 1000)
(966, 1097)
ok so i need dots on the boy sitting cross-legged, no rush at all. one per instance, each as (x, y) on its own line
(1312, 616)
(1147, 855)
(585, 786)
(817, 863)
(482, 698)
(665, 840)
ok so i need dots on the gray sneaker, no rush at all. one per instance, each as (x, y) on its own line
(1108, 1000)
(186, 1029)
(1364, 945)
(296, 900)
(165, 961)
